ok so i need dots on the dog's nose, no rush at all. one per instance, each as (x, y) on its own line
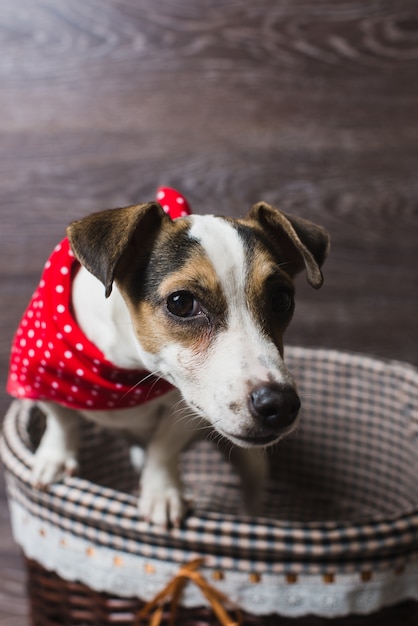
(275, 406)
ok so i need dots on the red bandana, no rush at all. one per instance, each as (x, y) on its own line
(52, 359)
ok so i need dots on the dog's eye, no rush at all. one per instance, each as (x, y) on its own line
(282, 301)
(183, 304)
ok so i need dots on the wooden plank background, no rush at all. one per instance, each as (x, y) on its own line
(312, 106)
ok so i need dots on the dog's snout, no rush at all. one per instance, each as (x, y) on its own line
(275, 406)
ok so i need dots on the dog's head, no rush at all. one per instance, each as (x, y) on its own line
(210, 298)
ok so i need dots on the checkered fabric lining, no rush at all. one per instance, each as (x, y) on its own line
(343, 493)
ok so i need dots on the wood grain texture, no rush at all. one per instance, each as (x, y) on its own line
(312, 106)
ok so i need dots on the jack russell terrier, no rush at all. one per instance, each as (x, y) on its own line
(193, 308)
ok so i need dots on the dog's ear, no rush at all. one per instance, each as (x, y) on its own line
(100, 240)
(303, 244)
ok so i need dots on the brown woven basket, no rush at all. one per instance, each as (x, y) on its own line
(58, 602)
(338, 534)
(55, 602)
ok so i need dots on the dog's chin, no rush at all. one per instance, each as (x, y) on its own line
(257, 438)
(252, 440)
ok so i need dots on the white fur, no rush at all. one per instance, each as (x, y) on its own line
(105, 321)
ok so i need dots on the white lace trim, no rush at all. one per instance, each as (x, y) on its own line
(127, 575)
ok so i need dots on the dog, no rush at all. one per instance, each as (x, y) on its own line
(161, 321)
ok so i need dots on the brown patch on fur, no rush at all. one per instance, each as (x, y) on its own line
(173, 267)
(155, 330)
(150, 326)
(199, 277)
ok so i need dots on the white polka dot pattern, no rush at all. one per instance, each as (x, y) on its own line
(173, 203)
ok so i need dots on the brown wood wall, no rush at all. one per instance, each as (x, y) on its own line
(312, 106)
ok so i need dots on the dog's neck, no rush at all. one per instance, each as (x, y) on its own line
(105, 321)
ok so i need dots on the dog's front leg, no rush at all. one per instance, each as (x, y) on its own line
(161, 492)
(56, 455)
(252, 465)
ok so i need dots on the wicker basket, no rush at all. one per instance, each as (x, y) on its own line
(338, 534)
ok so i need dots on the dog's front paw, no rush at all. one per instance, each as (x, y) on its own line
(52, 466)
(161, 500)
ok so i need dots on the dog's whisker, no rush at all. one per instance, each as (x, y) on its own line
(137, 384)
(180, 406)
(181, 417)
(141, 382)
(196, 427)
